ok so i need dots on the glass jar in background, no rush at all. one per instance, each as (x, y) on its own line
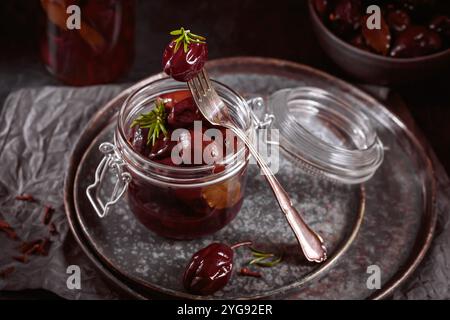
(100, 51)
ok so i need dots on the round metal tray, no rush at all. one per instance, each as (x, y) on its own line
(393, 212)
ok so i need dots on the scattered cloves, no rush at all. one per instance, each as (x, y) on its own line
(44, 247)
(6, 272)
(10, 233)
(52, 229)
(27, 247)
(22, 258)
(4, 225)
(48, 213)
(249, 273)
(25, 197)
(39, 246)
(6, 228)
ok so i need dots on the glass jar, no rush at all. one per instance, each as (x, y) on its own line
(328, 136)
(87, 42)
(175, 202)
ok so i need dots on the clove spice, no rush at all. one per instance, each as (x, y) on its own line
(249, 273)
(48, 213)
(6, 228)
(25, 197)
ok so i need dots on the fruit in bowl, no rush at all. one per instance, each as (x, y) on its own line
(410, 43)
(407, 28)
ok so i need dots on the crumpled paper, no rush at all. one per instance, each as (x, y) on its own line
(38, 128)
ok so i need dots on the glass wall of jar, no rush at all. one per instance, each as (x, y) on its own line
(182, 202)
(85, 42)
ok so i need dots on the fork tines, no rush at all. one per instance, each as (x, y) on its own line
(200, 84)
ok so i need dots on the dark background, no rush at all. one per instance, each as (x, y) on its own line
(279, 29)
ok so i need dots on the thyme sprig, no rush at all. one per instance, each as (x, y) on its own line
(154, 121)
(186, 37)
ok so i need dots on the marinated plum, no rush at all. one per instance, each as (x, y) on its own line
(409, 28)
(209, 269)
(322, 7)
(377, 39)
(222, 195)
(193, 148)
(162, 148)
(359, 42)
(184, 113)
(441, 24)
(138, 140)
(184, 56)
(398, 20)
(172, 98)
(346, 17)
(177, 212)
(416, 41)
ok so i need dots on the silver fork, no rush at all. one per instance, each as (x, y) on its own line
(215, 111)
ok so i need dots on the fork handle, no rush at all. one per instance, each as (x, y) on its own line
(311, 243)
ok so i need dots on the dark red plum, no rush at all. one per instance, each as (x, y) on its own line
(416, 41)
(185, 56)
(184, 212)
(183, 114)
(345, 18)
(209, 269)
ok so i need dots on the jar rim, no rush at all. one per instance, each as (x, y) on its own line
(167, 84)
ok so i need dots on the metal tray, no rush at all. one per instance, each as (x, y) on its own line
(393, 213)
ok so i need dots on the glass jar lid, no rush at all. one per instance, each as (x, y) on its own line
(327, 135)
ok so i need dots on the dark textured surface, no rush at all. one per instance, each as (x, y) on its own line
(38, 128)
(235, 28)
(52, 271)
(391, 225)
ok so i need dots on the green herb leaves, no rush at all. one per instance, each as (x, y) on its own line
(154, 121)
(186, 37)
(264, 259)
